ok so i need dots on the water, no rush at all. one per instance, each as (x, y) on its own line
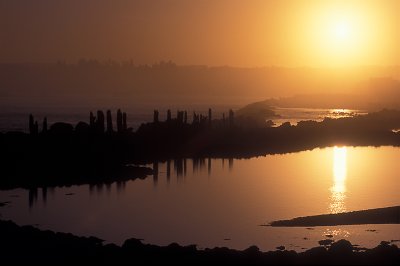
(295, 115)
(215, 202)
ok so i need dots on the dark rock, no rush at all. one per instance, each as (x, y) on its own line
(342, 247)
(325, 242)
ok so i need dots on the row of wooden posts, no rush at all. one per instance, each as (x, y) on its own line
(102, 123)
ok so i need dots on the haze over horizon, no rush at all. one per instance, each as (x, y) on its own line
(166, 52)
(215, 33)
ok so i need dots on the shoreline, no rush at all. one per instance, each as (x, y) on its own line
(386, 215)
(27, 244)
(89, 153)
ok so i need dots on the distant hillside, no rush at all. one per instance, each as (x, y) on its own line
(124, 83)
(255, 114)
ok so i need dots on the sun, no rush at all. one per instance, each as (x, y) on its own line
(341, 31)
(340, 37)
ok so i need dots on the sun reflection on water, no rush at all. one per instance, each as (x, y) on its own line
(336, 233)
(338, 190)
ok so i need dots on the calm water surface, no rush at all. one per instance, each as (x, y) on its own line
(215, 202)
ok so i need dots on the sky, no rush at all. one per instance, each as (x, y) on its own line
(247, 33)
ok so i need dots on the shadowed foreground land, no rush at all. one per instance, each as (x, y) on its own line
(26, 244)
(389, 215)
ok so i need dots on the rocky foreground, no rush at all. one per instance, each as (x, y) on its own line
(26, 244)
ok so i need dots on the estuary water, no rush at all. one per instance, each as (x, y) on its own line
(224, 202)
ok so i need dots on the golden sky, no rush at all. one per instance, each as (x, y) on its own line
(224, 32)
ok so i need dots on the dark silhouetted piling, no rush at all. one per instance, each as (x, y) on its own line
(44, 126)
(100, 121)
(109, 122)
(155, 116)
(119, 121)
(124, 124)
(168, 115)
(33, 126)
(92, 120)
(231, 118)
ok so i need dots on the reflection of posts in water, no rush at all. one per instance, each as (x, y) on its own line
(168, 170)
(195, 164)
(108, 188)
(178, 167)
(51, 191)
(91, 189)
(33, 194)
(209, 166)
(99, 188)
(155, 173)
(120, 186)
(202, 163)
(44, 195)
(223, 163)
(230, 162)
(184, 167)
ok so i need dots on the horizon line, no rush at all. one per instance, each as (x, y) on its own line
(130, 63)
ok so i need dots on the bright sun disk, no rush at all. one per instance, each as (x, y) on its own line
(342, 30)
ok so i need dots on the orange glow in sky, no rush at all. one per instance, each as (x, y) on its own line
(348, 33)
(316, 33)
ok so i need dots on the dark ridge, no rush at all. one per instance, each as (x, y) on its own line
(29, 245)
(388, 215)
